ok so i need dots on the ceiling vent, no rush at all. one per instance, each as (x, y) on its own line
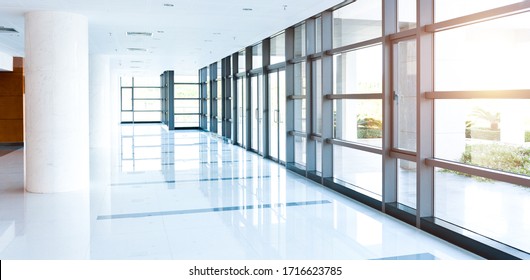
(140, 34)
(7, 30)
(137, 49)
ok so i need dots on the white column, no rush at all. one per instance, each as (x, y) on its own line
(100, 102)
(56, 125)
(115, 120)
(100, 123)
(115, 97)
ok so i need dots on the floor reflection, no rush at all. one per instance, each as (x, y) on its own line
(189, 195)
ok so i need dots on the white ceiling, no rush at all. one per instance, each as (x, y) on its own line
(186, 37)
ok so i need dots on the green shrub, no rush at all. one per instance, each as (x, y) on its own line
(369, 128)
(527, 136)
(366, 133)
(499, 157)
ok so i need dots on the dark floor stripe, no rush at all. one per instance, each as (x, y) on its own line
(189, 181)
(423, 256)
(208, 210)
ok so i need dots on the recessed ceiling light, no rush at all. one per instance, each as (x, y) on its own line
(168, 5)
(247, 9)
(135, 33)
(137, 49)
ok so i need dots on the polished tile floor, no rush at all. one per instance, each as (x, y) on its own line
(189, 195)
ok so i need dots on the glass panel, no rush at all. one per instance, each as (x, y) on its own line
(299, 79)
(406, 183)
(317, 83)
(406, 14)
(147, 116)
(278, 48)
(493, 134)
(358, 168)
(147, 93)
(208, 111)
(240, 111)
(219, 106)
(299, 41)
(495, 209)
(405, 95)
(261, 133)
(358, 71)
(357, 22)
(273, 114)
(299, 115)
(186, 121)
(144, 105)
(447, 9)
(186, 91)
(126, 99)
(485, 56)
(255, 112)
(300, 150)
(186, 106)
(241, 62)
(257, 56)
(359, 121)
(318, 34)
(281, 118)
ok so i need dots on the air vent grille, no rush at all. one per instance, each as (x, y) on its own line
(137, 49)
(144, 34)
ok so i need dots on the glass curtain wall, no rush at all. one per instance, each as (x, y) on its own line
(421, 114)
(357, 97)
(141, 100)
(187, 105)
(481, 122)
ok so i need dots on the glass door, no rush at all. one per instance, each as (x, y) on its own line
(404, 127)
(257, 113)
(241, 112)
(281, 114)
(277, 115)
(273, 115)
